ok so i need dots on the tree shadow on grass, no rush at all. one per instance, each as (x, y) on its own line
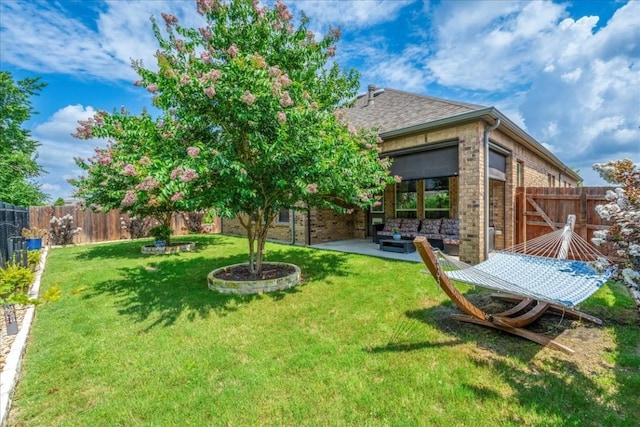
(132, 249)
(165, 290)
(563, 388)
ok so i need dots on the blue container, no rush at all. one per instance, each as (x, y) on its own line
(34, 244)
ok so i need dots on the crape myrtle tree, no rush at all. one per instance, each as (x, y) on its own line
(144, 170)
(18, 151)
(270, 96)
(623, 211)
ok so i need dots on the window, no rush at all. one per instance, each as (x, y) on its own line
(406, 199)
(520, 174)
(284, 216)
(436, 198)
(552, 180)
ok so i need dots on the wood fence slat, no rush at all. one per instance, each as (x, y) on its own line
(96, 226)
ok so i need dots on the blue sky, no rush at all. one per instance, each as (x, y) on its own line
(567, 73)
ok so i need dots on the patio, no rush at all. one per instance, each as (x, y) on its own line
(366, 247)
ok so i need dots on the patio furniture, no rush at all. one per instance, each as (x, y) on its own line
(531, 277)
(402, 246)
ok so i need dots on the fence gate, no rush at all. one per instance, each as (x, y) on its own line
(540, 210)
(12, 220)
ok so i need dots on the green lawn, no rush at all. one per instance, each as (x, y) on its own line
(140, 340)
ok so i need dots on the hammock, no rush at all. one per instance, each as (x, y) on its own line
(554, 272)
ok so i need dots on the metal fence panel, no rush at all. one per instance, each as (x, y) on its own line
(12, 220)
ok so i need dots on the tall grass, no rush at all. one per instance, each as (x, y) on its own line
(139, 340)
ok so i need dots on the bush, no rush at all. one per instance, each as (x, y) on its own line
(33, 259)
(62, 230)
(14, 281)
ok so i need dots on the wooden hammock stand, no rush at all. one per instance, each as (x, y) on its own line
(526, 311)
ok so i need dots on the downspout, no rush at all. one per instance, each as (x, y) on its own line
(293, 227)
(487, 132)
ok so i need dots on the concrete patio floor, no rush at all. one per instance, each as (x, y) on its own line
(366, 247)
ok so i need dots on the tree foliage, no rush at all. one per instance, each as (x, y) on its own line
(263, 100)
(18, 151)
(144, 170)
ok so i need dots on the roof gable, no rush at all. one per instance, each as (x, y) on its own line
(393, 109)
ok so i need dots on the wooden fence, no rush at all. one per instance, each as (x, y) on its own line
(98, 226)
(540, 210)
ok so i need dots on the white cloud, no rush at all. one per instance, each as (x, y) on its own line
(52, 41)
(356, 14)
(58, 148)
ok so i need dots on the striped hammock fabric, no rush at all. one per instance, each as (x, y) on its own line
(559, 267)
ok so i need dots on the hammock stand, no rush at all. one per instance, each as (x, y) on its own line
(529, 305)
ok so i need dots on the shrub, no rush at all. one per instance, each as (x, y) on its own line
(14, 281)
(136, 226)
(62, 230)
(33, 259)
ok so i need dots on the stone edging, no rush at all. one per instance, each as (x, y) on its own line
(173, 249)
(253, 286)
(14, 358)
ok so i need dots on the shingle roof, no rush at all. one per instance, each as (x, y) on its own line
(395, 109)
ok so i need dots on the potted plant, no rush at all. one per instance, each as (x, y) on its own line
(161, 234)
(396, 234)
(34, 237)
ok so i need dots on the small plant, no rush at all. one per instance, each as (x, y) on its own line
(33, 259)
(395, 230)
(136, 225)
(34, 233)
(14, 281)
(193, 221)
(62, 230)
(161, 233)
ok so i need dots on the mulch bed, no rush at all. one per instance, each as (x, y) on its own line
(242, 273)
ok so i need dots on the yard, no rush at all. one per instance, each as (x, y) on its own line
(140, 340)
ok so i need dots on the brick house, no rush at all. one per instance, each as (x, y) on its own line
(439, 148)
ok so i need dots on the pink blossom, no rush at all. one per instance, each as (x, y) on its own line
(210, 91)
(129, 170)
(285, 80)
(193, 151)
(283, 11)
(144, 160)
(248, 98)
(176, 172)
(177, 196)
(397, 178)
(153, 88)
(189, 175)
(147, 184)
(205, 33)
(310, 35)
(335, 33)
(286, 100)
(377, 204)
(184, 79)
(275, 71)
(130, 198)
(282, 117)
(206, 57)
(104, 158)
(137, 83)
(331, 51)
(259, 61)
(180, 45)
(233, 50)
(206, 6)
(169, 19)
(312, 188)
